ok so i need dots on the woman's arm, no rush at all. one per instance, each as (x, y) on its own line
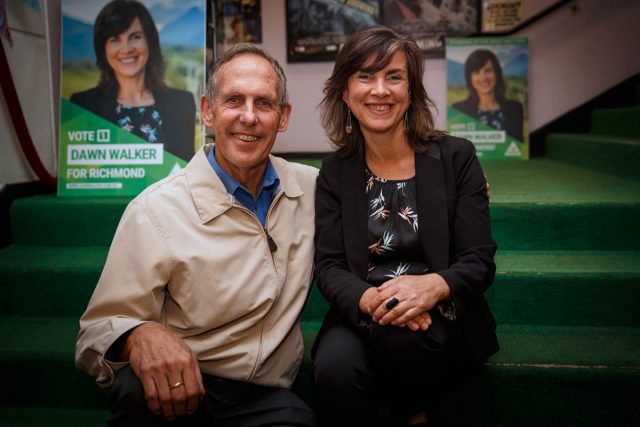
(341, 287)
(471, 247)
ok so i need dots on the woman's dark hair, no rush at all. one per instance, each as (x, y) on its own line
(478, 59)
(114, 19)
(382, 43)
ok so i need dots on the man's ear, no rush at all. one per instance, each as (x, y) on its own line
(207, 111)
(285, 113)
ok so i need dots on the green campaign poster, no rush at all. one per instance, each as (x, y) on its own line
(487, 91)
(132, 72)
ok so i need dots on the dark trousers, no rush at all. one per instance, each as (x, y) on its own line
(226, 403)
(381, 376)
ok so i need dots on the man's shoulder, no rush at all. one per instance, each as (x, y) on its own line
(300, 170)
(164, 189)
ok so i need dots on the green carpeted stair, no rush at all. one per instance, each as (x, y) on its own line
(565, 297)
(612, 146)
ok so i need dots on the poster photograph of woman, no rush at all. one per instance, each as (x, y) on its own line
(487, 89)
(132, 71)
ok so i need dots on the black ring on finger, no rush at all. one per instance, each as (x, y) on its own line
(391, 302)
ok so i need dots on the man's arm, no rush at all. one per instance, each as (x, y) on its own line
(121, 324)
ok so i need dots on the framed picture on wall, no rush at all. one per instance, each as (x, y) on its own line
(237, 21)
(501, 15)
(429, 22)
(317, 28)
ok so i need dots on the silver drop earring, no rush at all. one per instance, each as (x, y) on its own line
(406, 120)
(348, 127)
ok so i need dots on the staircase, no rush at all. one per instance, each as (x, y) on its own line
(565, 297)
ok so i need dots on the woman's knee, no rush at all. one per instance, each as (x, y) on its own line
(341, 360)
(404, 345)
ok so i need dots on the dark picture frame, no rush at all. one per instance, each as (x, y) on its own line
(316, 29)
(430, 22)
(237, 21)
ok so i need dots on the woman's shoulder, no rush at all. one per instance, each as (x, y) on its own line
(338, 166)
(465, 105)
(512, 105)
(175, 95)
(449, 146)
(338, 158)
(86, 96)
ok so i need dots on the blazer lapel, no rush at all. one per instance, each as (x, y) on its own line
(354, 214)
(432, 209)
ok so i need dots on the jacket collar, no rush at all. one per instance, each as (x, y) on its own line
(209, 194)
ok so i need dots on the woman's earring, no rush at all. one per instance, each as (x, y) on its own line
(406, 120)
(348, 127)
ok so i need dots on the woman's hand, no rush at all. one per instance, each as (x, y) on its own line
(416, 295)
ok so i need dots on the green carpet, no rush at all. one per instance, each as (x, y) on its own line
(612, 146)
(619, 156)
(622, 122)
(51, 417)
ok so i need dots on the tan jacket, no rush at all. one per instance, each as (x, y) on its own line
(188, 256)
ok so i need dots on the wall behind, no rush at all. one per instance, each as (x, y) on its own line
(574, 56)
(29, 62)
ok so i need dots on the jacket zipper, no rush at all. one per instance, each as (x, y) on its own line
(272, 248)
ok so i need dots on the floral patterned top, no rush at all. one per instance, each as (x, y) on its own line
(493, 118)
(144, 122)
(394, 244)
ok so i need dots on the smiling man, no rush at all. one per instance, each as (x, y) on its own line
(196, 317)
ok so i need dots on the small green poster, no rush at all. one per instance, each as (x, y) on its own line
(487, 91)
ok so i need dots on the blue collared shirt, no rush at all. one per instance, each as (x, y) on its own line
(268, 189)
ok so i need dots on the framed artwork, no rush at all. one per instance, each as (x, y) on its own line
(237, 21)
(501, 15)
(430, 22)
(316, 29)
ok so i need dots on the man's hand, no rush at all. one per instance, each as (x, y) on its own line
(167, 369)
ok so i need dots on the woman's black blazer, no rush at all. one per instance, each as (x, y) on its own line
(454, 232)
(176, 107)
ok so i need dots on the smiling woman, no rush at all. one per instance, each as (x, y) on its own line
(403, 243)
(132, 93)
